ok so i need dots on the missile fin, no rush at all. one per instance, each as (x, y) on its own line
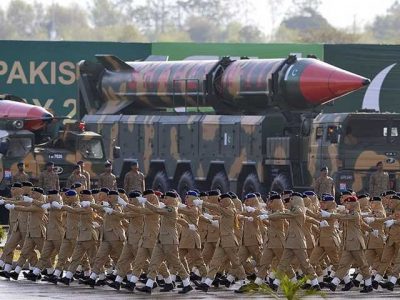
(113, 63)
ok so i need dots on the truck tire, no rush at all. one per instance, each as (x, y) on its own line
(160, 182)
(251, 184)
(220, 182)
(185, 183)
(280, 183)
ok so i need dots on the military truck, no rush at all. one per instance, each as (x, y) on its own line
(234, 124)
(62, 144)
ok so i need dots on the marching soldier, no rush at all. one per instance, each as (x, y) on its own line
(107, 179)
(48, 179)
(166, 248)
(77, 176)
(324, 184)
(134, 179)
(379, 181)
(85, 173)
(20, 175)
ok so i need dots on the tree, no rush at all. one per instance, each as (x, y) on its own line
(386, 28)
(201, 30)
(105, 13)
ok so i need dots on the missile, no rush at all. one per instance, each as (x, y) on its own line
(30, 117)
(248, 86)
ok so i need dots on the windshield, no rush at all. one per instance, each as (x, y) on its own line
(91, 148)
(362, 131)
(19, 147)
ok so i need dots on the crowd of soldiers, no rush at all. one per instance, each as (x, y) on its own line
(144, 239)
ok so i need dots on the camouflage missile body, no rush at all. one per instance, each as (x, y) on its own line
(261, 136)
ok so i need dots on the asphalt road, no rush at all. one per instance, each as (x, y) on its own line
(24, 289)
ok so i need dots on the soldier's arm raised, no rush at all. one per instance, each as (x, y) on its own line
(187, 211)
(157, 210)
(139, 209)
(30, 208)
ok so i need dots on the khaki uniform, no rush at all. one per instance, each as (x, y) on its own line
(378, 183)
(49, 181)
(353, 245)
(73, 178)
(133, 235)
(190, 241)
(374, 244)
(108, 180)
(295, 243)
(274, 240)
(70, 237)
(324, 185)
(391, 250)
(87, 175)
(227, 245)
(35, 234)
(134, 181)
(20, 177)
(54, 235)
(112, 240)
(87, 238)
(211, 239)
(166, 248)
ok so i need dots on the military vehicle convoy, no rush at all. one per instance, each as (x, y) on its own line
(31, 134)
(234, 124)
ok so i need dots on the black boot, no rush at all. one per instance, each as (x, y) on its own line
(14, 275)
(90, 282)
(52, 279)
(144, 289)
(356, 283)
(332, 286)
(115, 285)
(32, 277)
(387, 285)
(186, 289)
(101, 282)
(167, 287)
(160, 282)
(111, 277)
(375, 284)
(26, 274)
(306, 286)
(4, 274)
(194, 277)
(130, 286)
(367, 289)
(65, 280)
(274, 287)
(252, 277)
(348, 286)
(225, 282)
(316, 287)
(203, 287)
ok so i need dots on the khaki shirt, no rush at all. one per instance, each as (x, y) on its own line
(107, 180)
(324, 185)
(20, 177)
(49, 181)
(87, 175)
(35, 224)
(168, 234)
(378, 183)
(77, 178)
(134, 181)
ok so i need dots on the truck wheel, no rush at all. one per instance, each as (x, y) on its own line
(280, 183)
(251, 184)
(160, 182)
(185, 184)
(220, 182)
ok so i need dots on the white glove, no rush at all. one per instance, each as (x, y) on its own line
(56, 205)
(263, 217)
(105, 203)
(208, 216)
(2, 202)
(323, 223)
(375, 233)
(181, 205)
(364, 213)
(250, 209)
(215, 223)
(161, 205)
(250, 219)
(85, 203)
(121, 202)
(264, 205)
(389, 223)
(341, 208)
(192, 227)
(46, 206)
(369, 220)
(198, 202)
(108, 210)
(28, 199)
(10, 206)
(96, 225)
(325, 214)
(142, 200)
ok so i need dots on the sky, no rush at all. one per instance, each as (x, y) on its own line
(340, 13)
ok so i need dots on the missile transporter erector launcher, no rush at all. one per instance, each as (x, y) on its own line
(240, 125)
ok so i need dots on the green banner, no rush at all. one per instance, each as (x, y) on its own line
(380, 63)
(45, 73)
